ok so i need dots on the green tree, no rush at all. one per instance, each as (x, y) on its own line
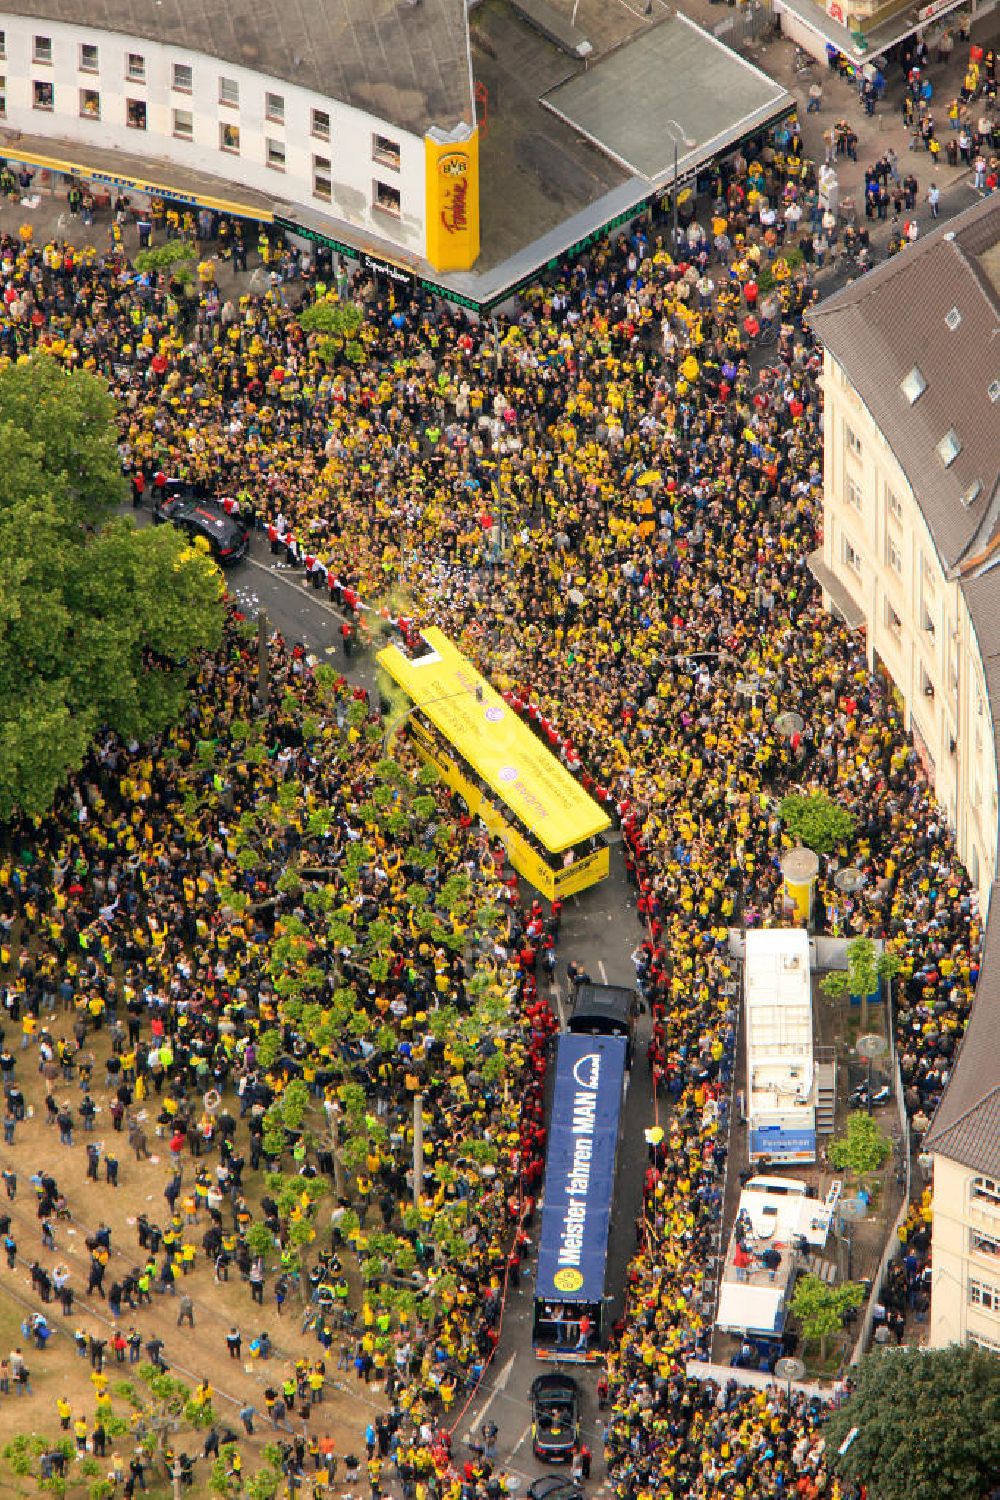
(923, 1424)
(862, 1148)
(816, 821)
(864, 973)
(100, 624)
(820, 1308)
(166, 257)
(58, 440)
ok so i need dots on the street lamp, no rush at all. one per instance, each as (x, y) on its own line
(852, 1211)
(788, 1369)
(676, 132)
(397, 724)
(869, 1047)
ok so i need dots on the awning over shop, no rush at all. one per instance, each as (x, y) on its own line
(844, 605)
(118, 170)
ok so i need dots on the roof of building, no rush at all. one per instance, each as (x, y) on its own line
(966, 1125)
(405, 63)
(974, 1137)
(917, 338)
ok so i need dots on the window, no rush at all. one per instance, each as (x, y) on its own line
(893, 555)
(183, 78)
(3, 98)
(135, 67)
(851, 440)
(854, 495)
(893, 623)
(949, 448)
(3, 44)
(980, 1341)
(952, 319)
(893, 504)
(926, 686)
(322, 181)
(852, 558)
(229, 92)
(274, 108)
(43, 95)
(992, 390)
(41, 50)
(321, 124)
(90, 104)
(927, 620)
(987, 1190)
(229, 138)
(385, 151)
(183, 124)
(89, 60)
(913, 385)
(386, 198)
(984, 1294)
(135, 114)
(276, 155)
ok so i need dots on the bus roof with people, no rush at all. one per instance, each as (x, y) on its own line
(524, 794)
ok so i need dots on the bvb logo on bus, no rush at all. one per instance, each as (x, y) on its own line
(568, 1280)
(453, 172)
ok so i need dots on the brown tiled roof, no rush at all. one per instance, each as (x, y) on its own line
(409, 64)
(966, 1125)
(885, 324)
(974, 1138)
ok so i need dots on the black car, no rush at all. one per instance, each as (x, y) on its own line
(555, 1417)
(555, 1487)
(227, 536)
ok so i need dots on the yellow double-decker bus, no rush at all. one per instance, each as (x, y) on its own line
(552, 830)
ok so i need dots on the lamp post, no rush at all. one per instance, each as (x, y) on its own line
(852, 1211)
(418, 1147)
(788, 1369)
(677, 135)
(870, 1046)
(397, 724)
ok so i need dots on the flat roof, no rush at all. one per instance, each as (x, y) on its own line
(408, 64)
(674, 83)
(471, 715)
(876, 41)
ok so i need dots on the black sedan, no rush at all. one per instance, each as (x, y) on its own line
(227, 535)
(555, 1417)
(555, 1487)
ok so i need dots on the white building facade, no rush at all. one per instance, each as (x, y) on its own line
(369, 130)
(917, 623)
(911, 542)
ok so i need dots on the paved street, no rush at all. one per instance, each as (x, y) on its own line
(599, 929)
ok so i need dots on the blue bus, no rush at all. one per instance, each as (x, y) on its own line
(580, 1168)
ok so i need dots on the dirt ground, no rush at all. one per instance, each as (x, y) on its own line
(192, 1354)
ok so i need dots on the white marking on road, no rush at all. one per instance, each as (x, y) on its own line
(604, 972)
(521, 1440)
(311, 596)
(499, 1385)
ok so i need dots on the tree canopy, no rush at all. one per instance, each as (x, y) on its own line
(99, 622)
(925, 1424)
(816, 821)
(862, 1148)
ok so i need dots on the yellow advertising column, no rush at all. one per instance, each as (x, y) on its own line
(799, 868)
(452, 197)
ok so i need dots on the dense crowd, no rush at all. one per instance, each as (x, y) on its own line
(610, 504)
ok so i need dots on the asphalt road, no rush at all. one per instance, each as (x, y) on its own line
(600, 928)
